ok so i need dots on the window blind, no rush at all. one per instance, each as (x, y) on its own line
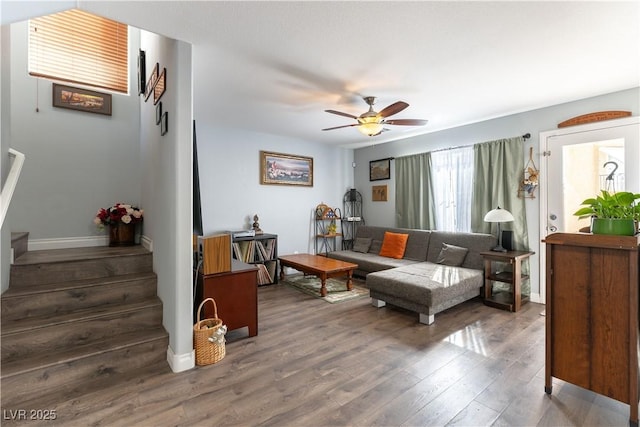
(78, 47)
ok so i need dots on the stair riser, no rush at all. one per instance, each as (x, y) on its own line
(73, 331)
(69, 335)
(41, 382)
(65, 301)
(26, 275)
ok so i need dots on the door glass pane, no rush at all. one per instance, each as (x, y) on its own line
(587, 169)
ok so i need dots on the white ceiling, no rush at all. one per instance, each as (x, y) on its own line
(275, 67)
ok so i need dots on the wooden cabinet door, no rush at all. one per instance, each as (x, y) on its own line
(592, 314)
(569, 314)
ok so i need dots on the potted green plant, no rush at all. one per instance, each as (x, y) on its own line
(612, 213)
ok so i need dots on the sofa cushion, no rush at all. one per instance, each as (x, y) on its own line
(452, 255)
(475, 242)
(369, 262)
(417, 244)
(393, 245)
(375, 247)
(426, 283)
(362, 244)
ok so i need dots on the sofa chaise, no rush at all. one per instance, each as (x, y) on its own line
(435, 270)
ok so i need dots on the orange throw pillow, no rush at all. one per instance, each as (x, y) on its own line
(393, 245)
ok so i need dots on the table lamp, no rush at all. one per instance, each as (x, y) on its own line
(498, 215)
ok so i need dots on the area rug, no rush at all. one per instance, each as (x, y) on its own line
(336, 287)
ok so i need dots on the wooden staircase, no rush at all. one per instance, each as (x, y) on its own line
(77, 320)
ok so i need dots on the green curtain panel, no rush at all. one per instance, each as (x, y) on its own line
(498, 167)
(414, 192)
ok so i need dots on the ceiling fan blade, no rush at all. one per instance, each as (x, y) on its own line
(393, 109)
(406, 122)
(343, 126)
(340, 113)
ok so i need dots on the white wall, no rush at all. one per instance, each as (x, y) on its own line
(166, 191)
(533, 122)
(229, 163)
(76, 162)
(5, 144)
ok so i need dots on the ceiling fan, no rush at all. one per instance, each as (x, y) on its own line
(372, 123)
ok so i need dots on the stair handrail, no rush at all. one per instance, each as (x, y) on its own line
(10, 184)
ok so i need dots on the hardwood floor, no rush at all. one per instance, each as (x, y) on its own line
(350, 364)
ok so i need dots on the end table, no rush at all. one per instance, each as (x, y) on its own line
(507, 300)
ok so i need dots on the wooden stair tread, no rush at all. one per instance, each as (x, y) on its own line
(69, 355)
(19, 291)
(77, 320)
(78, 254)
(94, 387)
(89, 314)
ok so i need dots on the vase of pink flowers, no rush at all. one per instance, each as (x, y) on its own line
(121, 219)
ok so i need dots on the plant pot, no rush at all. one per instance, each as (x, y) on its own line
(614, 226)
(122, 234)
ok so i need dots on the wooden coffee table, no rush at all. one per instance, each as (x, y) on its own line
(320, 266)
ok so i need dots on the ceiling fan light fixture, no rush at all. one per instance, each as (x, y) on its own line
(372, 123)
(370, 126)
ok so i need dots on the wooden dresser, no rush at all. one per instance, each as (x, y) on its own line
(592, 314)
(235, 293)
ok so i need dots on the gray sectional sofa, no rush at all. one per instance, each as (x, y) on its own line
(438, 270)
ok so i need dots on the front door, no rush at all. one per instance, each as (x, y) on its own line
(578, 162)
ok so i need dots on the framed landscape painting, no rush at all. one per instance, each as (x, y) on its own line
(81, 99)
(285, 169)
(379, 169)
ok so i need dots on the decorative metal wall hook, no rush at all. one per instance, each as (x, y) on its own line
(613, 171)
(529, 181)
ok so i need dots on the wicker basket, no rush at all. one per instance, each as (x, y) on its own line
(208, 352)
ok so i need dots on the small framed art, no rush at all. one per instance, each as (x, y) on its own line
(164, 123)
(151, 82)
(380, 169)
(79, 99)
(158, 113)
(161, 84)
(142, 72)
(379, 193)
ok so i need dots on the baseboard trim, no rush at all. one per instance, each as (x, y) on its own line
(78, 242)
(146, 243)
(181, 362)
(536, 298)
(67, 242)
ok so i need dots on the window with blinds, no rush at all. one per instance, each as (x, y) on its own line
(78, 47)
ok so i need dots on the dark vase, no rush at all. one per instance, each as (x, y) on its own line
(122, 234)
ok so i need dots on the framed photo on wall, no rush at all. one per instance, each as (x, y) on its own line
(151, 82)
(142, 72)
(161, 84)
(164, 123)
(79, 99)
(380, 169)
(379, 193)
(285, 169)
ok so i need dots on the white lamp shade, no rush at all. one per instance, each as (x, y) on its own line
(498, 215)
